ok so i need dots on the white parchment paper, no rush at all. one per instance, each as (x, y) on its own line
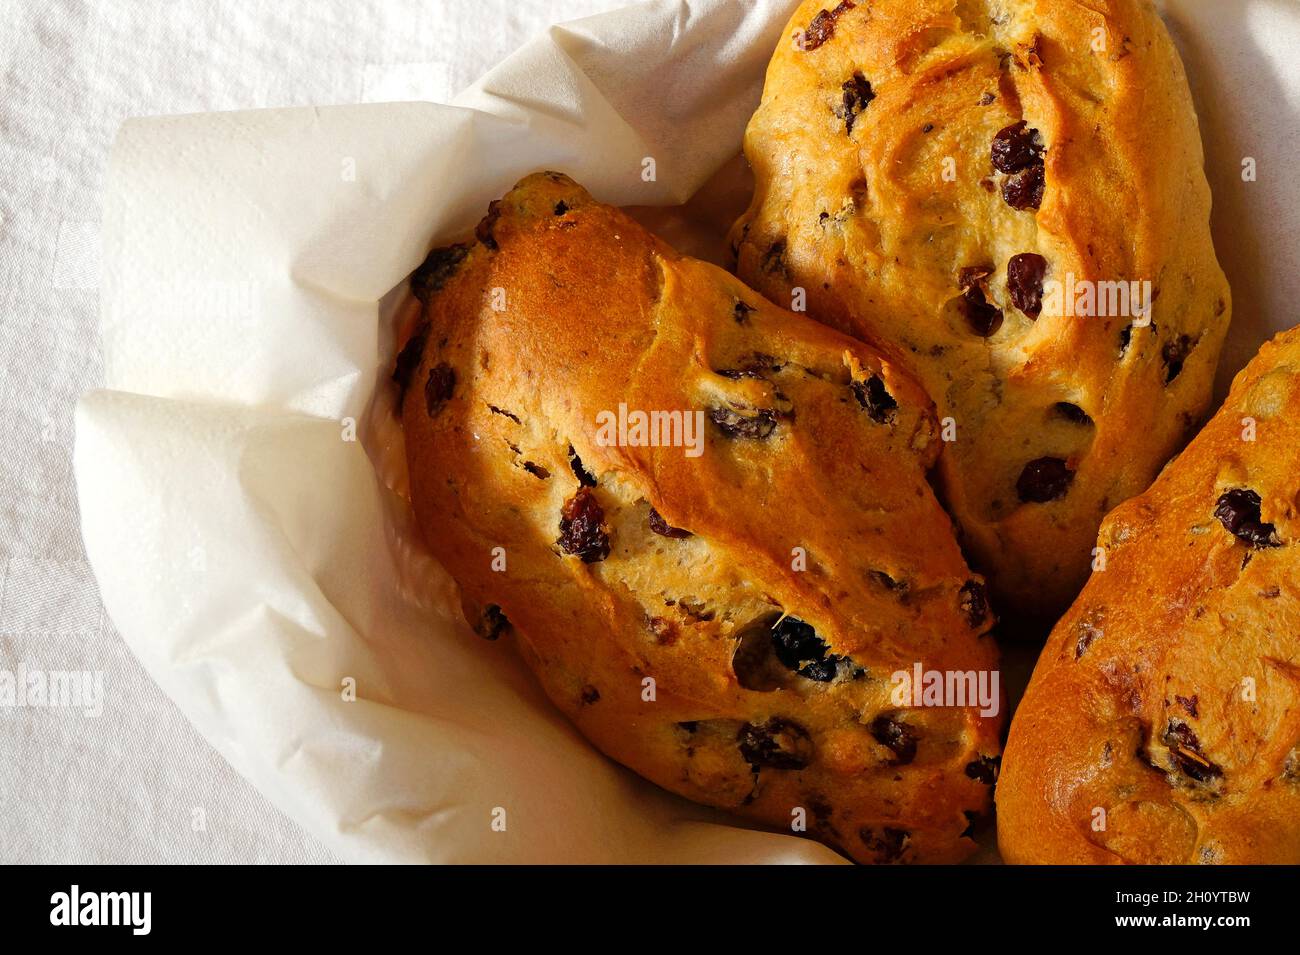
(251, 553)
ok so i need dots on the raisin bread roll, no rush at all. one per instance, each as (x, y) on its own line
(725, 623)
(1168, 698)
(938, 176)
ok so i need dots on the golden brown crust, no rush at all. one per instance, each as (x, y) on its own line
(875, 189)
(1162, 723)
(565, 309)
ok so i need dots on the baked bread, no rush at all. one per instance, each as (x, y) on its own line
(727, 622)
(932, 173)
(1162, 723)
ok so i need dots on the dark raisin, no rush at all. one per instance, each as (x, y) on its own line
(985, 769)
(822, 27)
(755, 426)
(741, 312)
(690, 726)
(665, 631)
(408, 359)
(1025, 274)
(483, 231)
(875, 399)
(778, 743)
(1239, 511)
(1016, 147)
(439, 266)
(585, 477)
(536, 470)
(1024, 190)
(974, 602)
(663, 528)
(492, 623)
(886, 581)
(897, 737)
(799, 648)
(582, 527)
(1190, 704)
(438, 387)
(984, 319)
(1174, 354)
(561, 207)
(757, 365)
(1043, 480)
(1185, 750)
(857, 95)
(590, 694)
(1125, 339)
(887, 844)
(1071, 412)
(774, 258)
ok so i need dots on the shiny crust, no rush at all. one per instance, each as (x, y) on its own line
(598, 312)
(877, 237)
(1141, 702)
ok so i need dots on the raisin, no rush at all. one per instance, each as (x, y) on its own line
(878, 402)
(492, 623)
(857, 96)
(887, 844)
(985, 769)
(1024, 190)
(974, 602)
(778, 743)
(585, 477)
(582, 528)
(984, 319)
(439, 387)
(663, 528)
(1072, 412)
(897, 737)
(439, 266)
(757, 365)
(741, 312)
(1185, 750)
(1174, 354)
(1238, 510)
(1189, 703)
(690, 726)
(1043, 480)
(799, 648)
(561, 207)
(1016, 147)
(822, 27)
(774, 259)
(757, 426)
(536, 470)
(483, 231)
(408, 359)
(590, 695)
(1125, 339)
(1025, 282)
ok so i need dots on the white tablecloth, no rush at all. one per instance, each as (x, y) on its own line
(137, 783)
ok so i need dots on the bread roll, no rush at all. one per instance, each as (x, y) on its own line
(974, 186)
(723, 611)
(1162, 723)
